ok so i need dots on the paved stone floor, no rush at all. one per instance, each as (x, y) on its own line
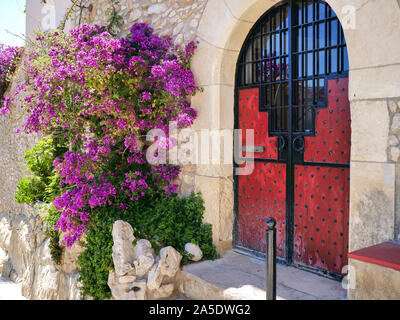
(10, 290)
(243, 277)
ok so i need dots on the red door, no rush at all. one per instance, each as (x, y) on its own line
(321, 197)
(292, 90)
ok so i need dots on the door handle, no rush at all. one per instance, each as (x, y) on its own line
(253, 149)
(280, 143)
(297, 147)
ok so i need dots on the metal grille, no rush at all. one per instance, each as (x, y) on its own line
(289, 54)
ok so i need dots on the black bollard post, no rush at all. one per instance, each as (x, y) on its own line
(270, 261)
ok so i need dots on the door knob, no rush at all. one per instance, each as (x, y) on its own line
(298, 143)
(280, 143)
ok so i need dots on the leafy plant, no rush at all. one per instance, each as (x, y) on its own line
(173, 221)
(43, 185)
(163, 220)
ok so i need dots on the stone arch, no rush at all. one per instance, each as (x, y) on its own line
(373, 78)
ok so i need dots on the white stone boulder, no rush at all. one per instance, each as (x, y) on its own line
(139, 274)
(3, 259)
(194, 250)
(167, 266)
(70, 257)
(5, 232)
(170, 261)
(126, 287)
(144, 257)
(122, 250)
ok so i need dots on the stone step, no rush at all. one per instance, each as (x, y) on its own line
(237, 276)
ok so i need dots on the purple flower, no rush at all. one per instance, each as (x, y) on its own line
(104, 94)
(146, 95)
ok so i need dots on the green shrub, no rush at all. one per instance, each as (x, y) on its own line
(163, 220)
(30, 190)
(174, 221)
(43, 186)
(55, 250)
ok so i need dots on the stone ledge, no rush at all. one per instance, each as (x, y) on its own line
(386, 254)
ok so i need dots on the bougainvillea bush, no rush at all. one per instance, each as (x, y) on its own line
(8, 59)
(103, 94)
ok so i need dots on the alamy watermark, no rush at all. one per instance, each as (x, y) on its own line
(204, 147)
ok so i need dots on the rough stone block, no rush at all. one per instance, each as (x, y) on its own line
(369, 131)
(374, 282)
(372, 196)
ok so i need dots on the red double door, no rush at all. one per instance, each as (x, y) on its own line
(300, 179)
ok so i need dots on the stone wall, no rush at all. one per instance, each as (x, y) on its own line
(176, 18)
(24, 248)
(394, 156)
(29, 261)
(374, 282)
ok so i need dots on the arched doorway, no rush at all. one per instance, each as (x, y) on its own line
(292, 89)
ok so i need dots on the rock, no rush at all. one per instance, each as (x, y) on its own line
(122, 250)
(167, 266)
(126, 279)
(40, 235)
(70, 257)
(140, 274)
(170, 261)
(42, 280)
(112, 279)
(7, 269)
(393, 141)
(22, 244)
(41, 277)
(194, 250)
(69, 287)
(143, 257)
(155, 278)
(3, 259)
(393, 106)
(394, 153)
(136, 14)
(163, 292)
(157, 9)
(126, 288)
(396, 123)
(138, 291)
(5, 232)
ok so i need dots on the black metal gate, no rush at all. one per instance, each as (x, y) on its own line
(291, 88)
